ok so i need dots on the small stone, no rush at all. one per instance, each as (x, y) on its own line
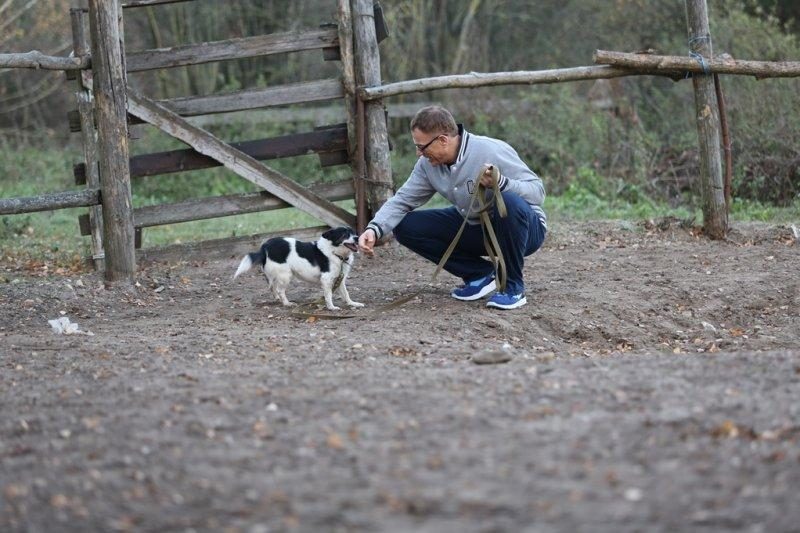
(492, 357)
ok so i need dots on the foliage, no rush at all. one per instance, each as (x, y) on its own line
(635, 157)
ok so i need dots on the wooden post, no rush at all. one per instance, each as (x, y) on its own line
(368, 74)
(83, 95)
(715, 217)
(354, 148)
(109, 87)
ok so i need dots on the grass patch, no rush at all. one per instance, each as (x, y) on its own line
(53, 238)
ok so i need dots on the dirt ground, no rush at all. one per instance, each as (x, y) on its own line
(654, 385)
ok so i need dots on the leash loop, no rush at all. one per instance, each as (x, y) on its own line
(479, 205)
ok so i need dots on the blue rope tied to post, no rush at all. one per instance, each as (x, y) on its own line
(698, 57)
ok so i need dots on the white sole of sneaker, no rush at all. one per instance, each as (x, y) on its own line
(478, 295)
(519, 303)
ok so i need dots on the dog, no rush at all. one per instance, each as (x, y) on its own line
(326, 261)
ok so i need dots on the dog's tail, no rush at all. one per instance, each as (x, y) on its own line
(255, 258)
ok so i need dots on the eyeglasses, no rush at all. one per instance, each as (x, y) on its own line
(422, 147)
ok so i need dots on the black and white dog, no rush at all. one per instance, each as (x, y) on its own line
(326, 261)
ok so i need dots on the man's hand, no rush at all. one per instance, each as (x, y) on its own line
(488, 176)
(366, 241)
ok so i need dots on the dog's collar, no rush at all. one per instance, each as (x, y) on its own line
(344, 259)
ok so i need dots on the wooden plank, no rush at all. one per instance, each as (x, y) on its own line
(261, 45)
(242, 164)
(232, 248)
(715, 216)
(234, 204)
(109, 88)
(293, 93)
(49, 202)
(323, 141)
(83, 95)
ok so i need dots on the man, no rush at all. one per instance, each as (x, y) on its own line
(450, 159)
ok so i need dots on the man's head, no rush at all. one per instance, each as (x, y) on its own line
(435, 135)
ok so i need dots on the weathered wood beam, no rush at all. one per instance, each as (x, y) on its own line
(226, 248)
(520, 77)
(147, 3)
(242, 164)
(715, 215)
(715, 65)
(347, 66)
(85, 101)
(223, 206)
(37, 60)
(368, 74)
(261, 45)
(293, 93)
(49, 202)
(109, 88)
(322, 141)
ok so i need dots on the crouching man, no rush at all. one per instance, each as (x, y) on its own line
(450, 159)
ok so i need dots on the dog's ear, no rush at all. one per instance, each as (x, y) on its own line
(334, 235)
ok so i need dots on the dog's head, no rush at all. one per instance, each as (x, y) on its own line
(343, 240)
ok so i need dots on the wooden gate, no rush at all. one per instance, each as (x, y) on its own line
(335, 144)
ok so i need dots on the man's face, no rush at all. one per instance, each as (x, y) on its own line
(432, 146)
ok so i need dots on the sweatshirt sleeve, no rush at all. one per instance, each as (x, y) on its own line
(516, 177)
(415, 192)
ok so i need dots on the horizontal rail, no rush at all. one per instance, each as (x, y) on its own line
(716, 65)
(521, 77)
(37, 60)
(320, 141)
(261, 45)
(293, 93)
(223, 206)
(49, 202)
(226, 248)
(148, 3)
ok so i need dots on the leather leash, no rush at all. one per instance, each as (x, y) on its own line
(322, 315)
(483, 208)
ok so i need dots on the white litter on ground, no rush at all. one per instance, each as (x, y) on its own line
(62, 326)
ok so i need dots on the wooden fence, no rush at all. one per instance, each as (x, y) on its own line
(106, 106)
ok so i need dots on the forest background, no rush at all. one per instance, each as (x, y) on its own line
(621, 148)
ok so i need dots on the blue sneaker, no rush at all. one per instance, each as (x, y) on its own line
(503, 300)
(475, 289)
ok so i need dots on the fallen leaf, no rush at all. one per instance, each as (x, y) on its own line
(736, 332)
(335, 441)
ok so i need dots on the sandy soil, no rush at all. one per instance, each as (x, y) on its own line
(654, 386)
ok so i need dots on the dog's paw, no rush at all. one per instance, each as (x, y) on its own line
(287, 303)
(333, 308)
(355, 304)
